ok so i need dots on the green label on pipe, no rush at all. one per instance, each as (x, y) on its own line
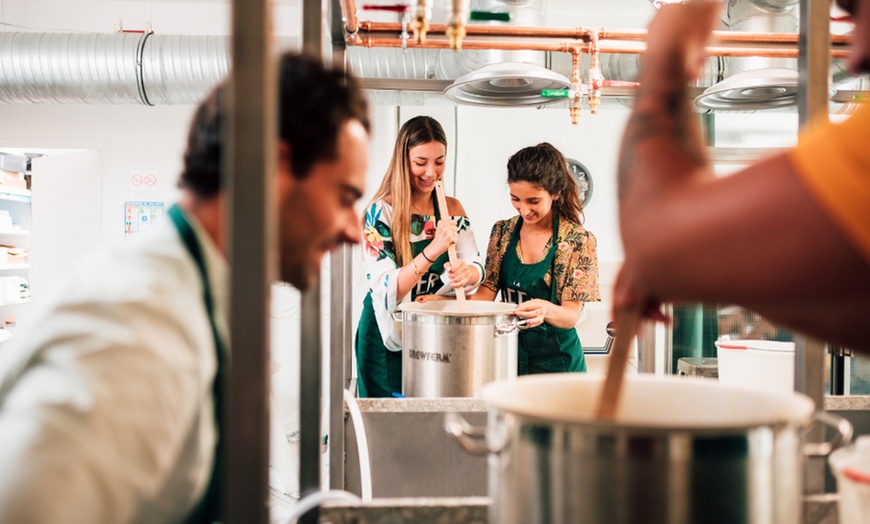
(489, 16)
(555, 93)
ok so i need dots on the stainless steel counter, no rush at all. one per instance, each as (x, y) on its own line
(471, 510)
(821, 509)
(411, 455)
(420, 475)
(420, 405)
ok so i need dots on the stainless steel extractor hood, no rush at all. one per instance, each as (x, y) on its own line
(753, 83)
(507, 78)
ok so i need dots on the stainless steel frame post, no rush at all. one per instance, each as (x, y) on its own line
(340, 313)
(249, 168)
(814, 72)
(310, 394)
(310, 348)
(341, 310)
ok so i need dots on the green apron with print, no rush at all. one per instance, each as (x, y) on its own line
(378, 368)
(544, 348)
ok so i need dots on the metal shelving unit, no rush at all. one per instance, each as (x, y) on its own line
(14, 258)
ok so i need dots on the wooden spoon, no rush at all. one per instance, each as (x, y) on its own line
(451, 251)
(627, 322)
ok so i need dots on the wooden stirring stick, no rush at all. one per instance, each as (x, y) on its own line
(627, 322)
(451, 251)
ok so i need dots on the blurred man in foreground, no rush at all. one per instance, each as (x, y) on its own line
(107, 397)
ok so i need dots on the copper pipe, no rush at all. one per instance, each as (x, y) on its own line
(724, 36)
(348, 14)
(479, 30)
(581, 33)
(420, 22)
(595, 76)
(575, 102)
(729, 51)
(430, 43)
(456, 28)
(575, 65)
(766, 52)
(769, 50)
(564, 47)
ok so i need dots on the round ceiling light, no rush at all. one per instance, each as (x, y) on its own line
(752, 90)
(506, 84)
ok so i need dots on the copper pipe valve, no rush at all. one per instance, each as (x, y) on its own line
(420, 22)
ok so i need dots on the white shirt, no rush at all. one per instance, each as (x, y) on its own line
(382, 271)
(106, 409)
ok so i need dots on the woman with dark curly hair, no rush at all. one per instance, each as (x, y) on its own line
(543, 260)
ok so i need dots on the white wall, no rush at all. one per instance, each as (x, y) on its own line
(129, 138)
(480, 141)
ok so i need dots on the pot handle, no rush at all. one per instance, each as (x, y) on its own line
(397, 315)
(471, 438)
(507, 328)
(843, 434)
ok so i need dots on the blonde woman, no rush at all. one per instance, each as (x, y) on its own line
(405, 243)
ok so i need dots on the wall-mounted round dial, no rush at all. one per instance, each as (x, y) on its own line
(583, 178)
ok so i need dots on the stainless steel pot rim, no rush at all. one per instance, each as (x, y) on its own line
(461, 320)
(591, 426)
(472, 308)
(649, 403)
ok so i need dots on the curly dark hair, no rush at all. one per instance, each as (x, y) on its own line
(546, 167)
(314, 103)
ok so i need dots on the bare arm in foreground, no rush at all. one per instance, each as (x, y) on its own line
(757, 238)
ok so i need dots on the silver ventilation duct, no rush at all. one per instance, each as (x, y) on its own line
(116, 68)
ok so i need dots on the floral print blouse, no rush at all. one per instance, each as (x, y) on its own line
(575, 266)
(379, 260)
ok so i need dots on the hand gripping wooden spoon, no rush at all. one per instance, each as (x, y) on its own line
(451, 251)
(627, 322)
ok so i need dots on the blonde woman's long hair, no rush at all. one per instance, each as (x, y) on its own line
(396, 185)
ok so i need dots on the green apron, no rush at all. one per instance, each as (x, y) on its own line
(379, 369)
(208, 509)
(544, 348)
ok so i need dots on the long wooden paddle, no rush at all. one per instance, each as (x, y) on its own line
(627, 322)
(451, 251)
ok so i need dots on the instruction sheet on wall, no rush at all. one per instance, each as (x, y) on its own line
(140, 216)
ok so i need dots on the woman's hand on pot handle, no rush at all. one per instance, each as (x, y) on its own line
(446, 234)
(534, 311)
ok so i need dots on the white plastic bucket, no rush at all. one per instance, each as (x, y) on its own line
(759, 364)
(851, 466)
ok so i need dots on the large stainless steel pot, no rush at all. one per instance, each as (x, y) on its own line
(681, 450)
(448, 352)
